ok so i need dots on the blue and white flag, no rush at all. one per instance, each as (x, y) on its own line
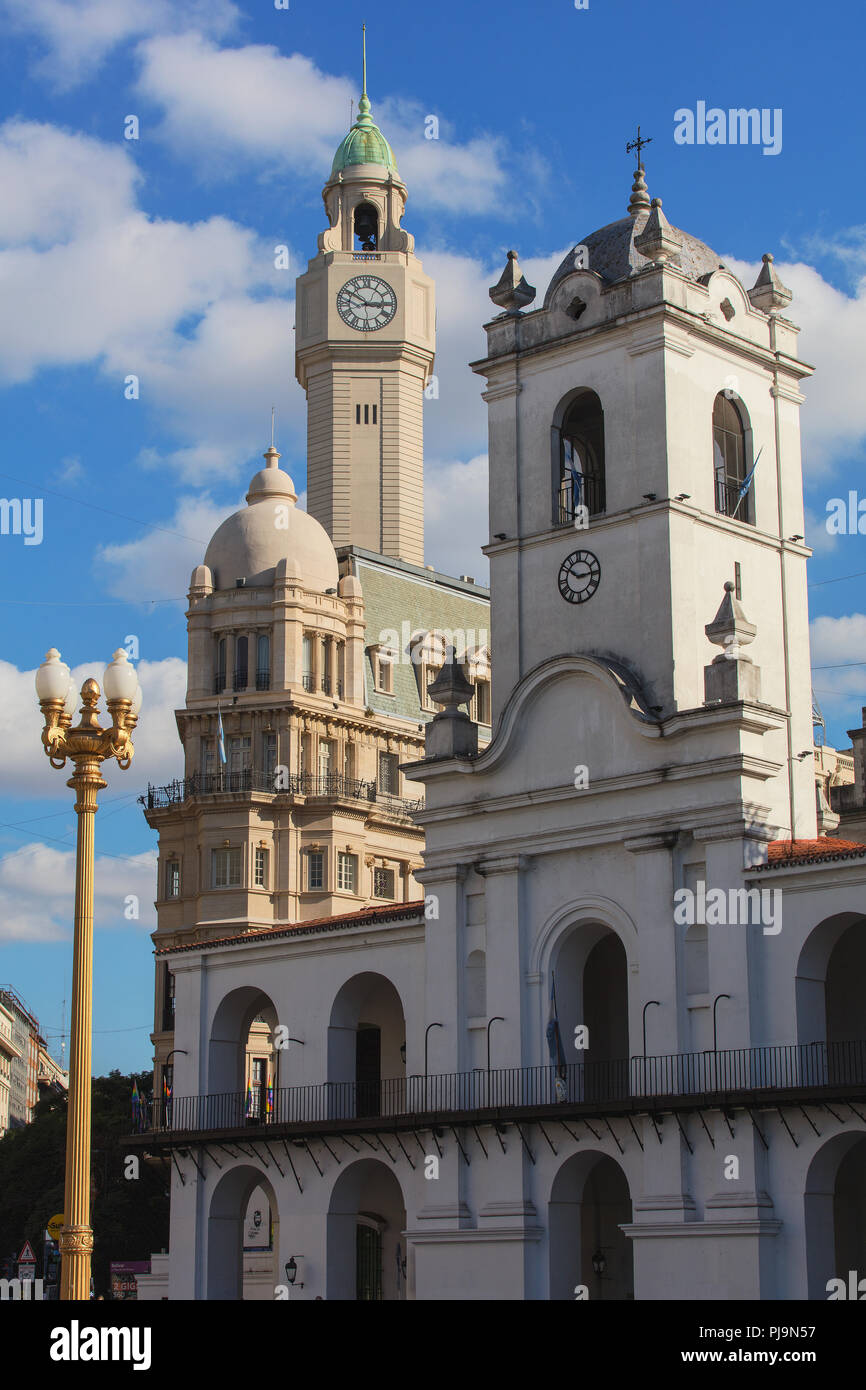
(577, 479)
(554, 1038)
(747, 481)
(221, 735)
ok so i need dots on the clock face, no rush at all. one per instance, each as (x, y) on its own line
(366, 303)
(579, 576)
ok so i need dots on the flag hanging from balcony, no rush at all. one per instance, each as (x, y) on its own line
(577, 480)
(249, 1108)
(166, 1086)
(554, 1043)
(136, 1106)
(221, 739)
(269, 1099)
(747, 481)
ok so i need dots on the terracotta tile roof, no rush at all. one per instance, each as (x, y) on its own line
(782, 852)
(365, 916)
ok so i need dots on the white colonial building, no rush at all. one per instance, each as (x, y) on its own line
(618, 1049)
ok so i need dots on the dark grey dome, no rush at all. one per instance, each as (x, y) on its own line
(613, 256)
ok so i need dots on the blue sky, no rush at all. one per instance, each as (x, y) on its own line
(155, 257)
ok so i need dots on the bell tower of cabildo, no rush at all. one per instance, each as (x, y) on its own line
(364, 337)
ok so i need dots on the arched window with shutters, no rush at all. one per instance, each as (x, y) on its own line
(578, 458)
(732, 458)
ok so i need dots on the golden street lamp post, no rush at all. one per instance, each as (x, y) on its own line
(86, 746)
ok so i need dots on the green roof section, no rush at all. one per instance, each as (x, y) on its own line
(365, 143)
(400, 600)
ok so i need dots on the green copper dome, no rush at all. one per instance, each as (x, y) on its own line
(365, 143)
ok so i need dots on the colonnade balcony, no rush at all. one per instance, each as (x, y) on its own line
(306, 785)
(783, 1074)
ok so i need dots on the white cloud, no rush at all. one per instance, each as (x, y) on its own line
(833, 323)
(224, 107)
(839, 685)
(78, 35)
(158, 755)
(196, 311)
(37, 892)
(159, 563)
(455, 508)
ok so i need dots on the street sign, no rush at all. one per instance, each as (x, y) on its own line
(27, 1256)
(55, 1225)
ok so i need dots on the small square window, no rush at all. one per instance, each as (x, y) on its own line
(383, 883)
(226, 867)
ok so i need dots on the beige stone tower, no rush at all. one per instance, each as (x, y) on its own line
(364, 340)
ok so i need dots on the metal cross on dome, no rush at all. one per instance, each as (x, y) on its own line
(638, 145)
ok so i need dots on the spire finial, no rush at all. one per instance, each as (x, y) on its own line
(364, 103)
(639, 201)
(272, 425)
(638, 145)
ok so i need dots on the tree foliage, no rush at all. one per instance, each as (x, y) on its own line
(129, 1216)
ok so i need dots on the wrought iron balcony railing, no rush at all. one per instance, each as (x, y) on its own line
(638, 1083)
(728, 501)
(255, 780)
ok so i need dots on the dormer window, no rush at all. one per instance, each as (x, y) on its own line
(382, 660)
(429, 650)
(366, 225)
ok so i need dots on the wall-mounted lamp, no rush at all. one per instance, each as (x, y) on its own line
(292, 1271)
(599, 1263)
(403, 1050)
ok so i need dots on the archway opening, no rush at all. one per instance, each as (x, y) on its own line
(366, 1048)
(243, 1061)
(591, 977)
(589, 1201)
(242, 1254)
(830, 984)
(367, 1258)
(835, 1211)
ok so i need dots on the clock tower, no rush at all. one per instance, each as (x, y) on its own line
(364, 337)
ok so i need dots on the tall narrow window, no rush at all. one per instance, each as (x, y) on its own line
(269, 754)
(308, 661)
(315, 870)
(730, 461)
(172, 878)
(374, 414)
(341, 669)
(260, 876)
(579, 445)
(326, 757)
(357, 415)
(220, 673)
(242, 666)
(263, 661)
(389, 774)
(347, 872)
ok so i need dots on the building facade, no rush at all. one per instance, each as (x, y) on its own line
(612, 1046)
(23, 1058)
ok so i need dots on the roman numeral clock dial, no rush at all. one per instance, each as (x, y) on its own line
(579, 576)
(366, 302)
